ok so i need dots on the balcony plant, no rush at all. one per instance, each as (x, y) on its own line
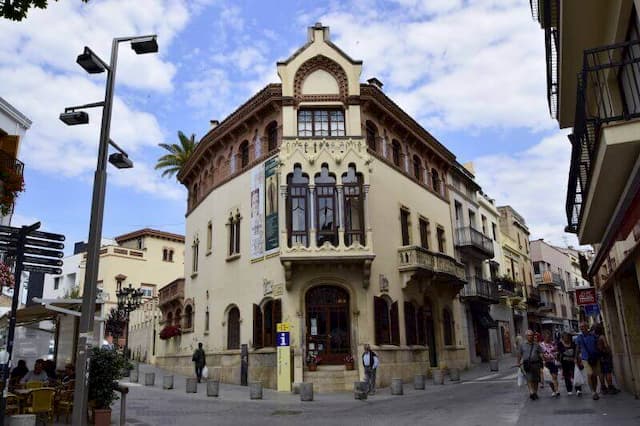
(11, 185)
(6, 276)
(170, 331)
(348, 362)
(104, 371)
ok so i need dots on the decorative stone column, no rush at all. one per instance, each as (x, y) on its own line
(340, 216)
(367, 216)
(282, 217)
(312, 217)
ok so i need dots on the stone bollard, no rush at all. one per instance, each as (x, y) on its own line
(150, 379)
(295, 388)
(255, 390)
(167, 382)
(22, 420)
(192, 385)
(306, 391)
(418, 381)
(133, 376)
(396, 387)
(493, 364)
(454, 374)
(213, 387)
(360, 390)
(438, 377)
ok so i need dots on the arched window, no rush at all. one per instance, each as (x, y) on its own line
(272, 136)
(244, 154)
(371, 133)
(326, 202)
(353, 207)
(177, 318)
(417, 168)
(233, 328)
(396, 152)
(188, 317)
(410, 323)
(169, 318)
(387, 329)
(297, 207)
(447, 324)
(435, 180)
(264, 323)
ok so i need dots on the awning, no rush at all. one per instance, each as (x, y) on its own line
(486, 321)
(48, 309)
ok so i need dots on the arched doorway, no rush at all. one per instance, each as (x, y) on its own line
(430, 332)
(328, 328)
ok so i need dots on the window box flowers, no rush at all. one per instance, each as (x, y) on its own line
(313, 359)
(12, 183)
(6, 276)
(170, 331)
(348, 362)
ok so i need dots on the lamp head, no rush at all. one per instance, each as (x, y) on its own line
(145, 45)
(90, 62)
(120, 161)
(74, 118)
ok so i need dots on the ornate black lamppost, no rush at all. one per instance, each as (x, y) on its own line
(129, 299)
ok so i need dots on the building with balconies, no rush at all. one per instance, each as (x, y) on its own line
(593, 87)
(320, 203)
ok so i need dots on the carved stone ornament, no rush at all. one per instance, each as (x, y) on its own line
(327, 64)
(384, 284)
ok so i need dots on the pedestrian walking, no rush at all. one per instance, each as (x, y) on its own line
(370, 362)
(589, 357)
(550, 356)
(530, 360)
(199, 361)
(568, 353)
(606, 362)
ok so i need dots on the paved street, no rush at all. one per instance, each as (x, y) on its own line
(481, 398)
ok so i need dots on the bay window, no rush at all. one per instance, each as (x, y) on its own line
(321, 122)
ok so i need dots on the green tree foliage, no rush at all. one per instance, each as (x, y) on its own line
(179, 154)
(115, 323)
(16, 10)
(106, 367)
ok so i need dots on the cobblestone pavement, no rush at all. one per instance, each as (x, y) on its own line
(481, 398)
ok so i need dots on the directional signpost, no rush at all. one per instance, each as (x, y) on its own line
(33, 251)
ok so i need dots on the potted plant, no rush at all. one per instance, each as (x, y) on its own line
(105, 368)
(348, 362)
(313, 359)
(12, 185)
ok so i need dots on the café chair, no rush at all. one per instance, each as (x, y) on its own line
(34, 385)
(40, 403)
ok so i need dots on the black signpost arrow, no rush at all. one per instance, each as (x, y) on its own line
(26, 244)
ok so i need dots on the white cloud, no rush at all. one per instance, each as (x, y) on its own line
(462, 68)
(143, 178)
(533, 182)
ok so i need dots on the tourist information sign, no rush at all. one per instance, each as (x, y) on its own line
(25, 246)
(284, 357)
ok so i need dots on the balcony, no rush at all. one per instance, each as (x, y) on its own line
(11, 180)
(480, 290)
(605, 140)
(474, 242)
(549, 281)
(171, 294)
(533, 296)
(546, 307)
(416, 263)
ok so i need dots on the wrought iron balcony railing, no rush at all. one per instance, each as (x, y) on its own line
(8, 162)
(478, 288)
(546, 12)
(548, 278)
(469, 237)
(608, 91)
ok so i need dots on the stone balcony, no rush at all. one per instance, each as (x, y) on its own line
(415, 263)
(171, 294)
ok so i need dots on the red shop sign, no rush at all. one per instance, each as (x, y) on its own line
(586, 296)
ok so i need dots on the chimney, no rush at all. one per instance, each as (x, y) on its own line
(214, 124)
(375, 82)
(318, 30)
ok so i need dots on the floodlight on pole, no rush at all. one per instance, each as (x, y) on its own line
(144, 45)
(91, 62)
(74, 118)
(120, 161)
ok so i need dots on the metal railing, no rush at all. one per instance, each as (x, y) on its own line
(478, 287)
(608, 91)
(550, 278)
(467, 236)
(546, 12)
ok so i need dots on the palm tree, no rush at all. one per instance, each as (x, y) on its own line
(179, 155)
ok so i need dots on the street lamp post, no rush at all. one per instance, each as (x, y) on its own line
(93, 65)
(129, 299)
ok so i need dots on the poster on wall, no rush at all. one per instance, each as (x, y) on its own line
(257, 207)
(271, 205)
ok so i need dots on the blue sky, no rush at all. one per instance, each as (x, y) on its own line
(472, 72)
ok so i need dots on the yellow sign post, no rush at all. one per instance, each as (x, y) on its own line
(284, 357)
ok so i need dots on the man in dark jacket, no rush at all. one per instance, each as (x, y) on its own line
(199, 361)
(370, 363)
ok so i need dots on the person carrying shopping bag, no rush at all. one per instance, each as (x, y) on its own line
(567, 352)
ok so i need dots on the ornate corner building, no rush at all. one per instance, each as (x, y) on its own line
(320, 203)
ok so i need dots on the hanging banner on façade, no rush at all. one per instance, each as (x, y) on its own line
(264, 209)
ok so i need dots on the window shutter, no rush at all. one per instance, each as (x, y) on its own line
(395, 326)
(410, 323)
(422, 338)
(257, 326)
(277, 318)
(381, 326)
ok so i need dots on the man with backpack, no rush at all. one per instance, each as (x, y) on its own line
(370, 362)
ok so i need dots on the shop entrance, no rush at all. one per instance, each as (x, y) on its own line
(328, 324)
